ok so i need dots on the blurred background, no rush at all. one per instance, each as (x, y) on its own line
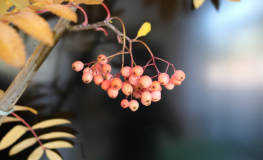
(216, 114)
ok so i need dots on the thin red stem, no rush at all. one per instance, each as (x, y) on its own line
(102, 29)
(167, 68)
(165, 62)
(107, 10)
(82, 10)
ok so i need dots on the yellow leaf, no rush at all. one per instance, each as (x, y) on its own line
(50, 123)
(24, 108)
(198, 3)
(8, 3)
(36, 154)
(144, 30)
(11, 119)
(57, 1)
(56, 135)
(3, 8)
(22, 145)
(32, 24)
(52, 155)
(58, 144)
(88, 2)
(59, 10)
(20, 4)
(1, 93)
(12, 136)
(11, 46)
(44, 2)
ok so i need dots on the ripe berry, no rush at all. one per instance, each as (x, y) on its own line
(126, 89)
(138, 88)
(87, 69)
(175, 82)
(134, 80)
(147, 97)
(137, 95)
(107, 76)
(98, 66)
(134, 105)
(95, 72)
(87, 77)
(126, 79)
(145, 81)
(126, 71)
(106, 68)
(169, 85)
(77, 66)
(112, 92)
(156, 96)
(146, 103)
(178, 75)
(137, 71)
(163, 78)
(125, 103)
(102, 59)
(155, 86)
(116, 83)
(98, 79)
(105, 85)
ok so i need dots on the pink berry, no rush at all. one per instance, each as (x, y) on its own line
(116, 83)
(137, 71)
(146, 96)
(102, 59)
(112, 92)
(156, 96)
(77, 66)
(105, 85)
(134, 105)
(107, 76)
(95, 72)
(155, 86)
(126, 79)
(98, 66)
(175, 82)
(163, 78)
(87, 69)
(106, 68)
(169, 85)
(127, 89)
(178, 75)
(145, 81)
(146, 103)
(138, 88)
(137, 95)
(87, 77)
(134, 80)
(125, 103)
(98, 79)
(126, 71)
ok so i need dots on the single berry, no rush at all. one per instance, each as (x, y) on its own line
(179, 75)
(126, 71)
(163, 78)
(155, 86)
(147, 97)
(146, 103)
(77, 66)
(137, 95)
(112, 92)
(98, 79)
(116, 83)
(107, 76)
(98, 66)
(145, 81)
(87, 69)
(106, 68)
(126, 88)
(125, 103)
(156, 96)
(126, 79)
(134, 80)
(137, 71)
(175, 82)
(102, 59)
(169, 85)
(105, 85)
(87, 77)
(138, 88)
(134, 105)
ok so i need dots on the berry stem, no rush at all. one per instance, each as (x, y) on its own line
(167, 68)
(107, 10)
(165, 62)
(30, 128)
(85, 23)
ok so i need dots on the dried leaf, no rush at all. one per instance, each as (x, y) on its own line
(44, 2)
(12, 136)
(3, 8)
(33, 25)
(144, 30)
(11, 119)
(198, 3)
(36, 154)
(88, 2)
(58, 144)
(50, 123)
(11, 46)
(22, 145)
(24, 108)
(56, 135)
(20, 4)
(52, 155)
(59, 10)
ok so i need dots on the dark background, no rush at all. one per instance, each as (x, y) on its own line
(216, 114)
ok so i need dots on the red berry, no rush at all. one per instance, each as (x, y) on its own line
(156, 96)
(106, 68)
(137, 71)
(126, 71)
(155, 86)
(178, 75)
(126, 79)
(105, 85)
(163, 78)
(169, 85)
(112, 92)
(87, 69)
(146, 103)
(126, 89)
(77, 66)
(116, 83)
(102, 59)
(175, 82)
(137, 95)
(134, 80)
(147, 97)
(145, 81)
(107, 76)
(98, 66)
(125, 103)
(134, 105)
(87, 77)
(98, 79)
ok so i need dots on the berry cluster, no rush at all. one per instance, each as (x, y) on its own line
(135, 83)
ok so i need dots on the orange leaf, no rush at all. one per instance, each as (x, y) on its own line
(3, 8)
(88, 2)
(59, 10)
(32, 24)
(11, 46)
(57, 1)
(20, 4)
